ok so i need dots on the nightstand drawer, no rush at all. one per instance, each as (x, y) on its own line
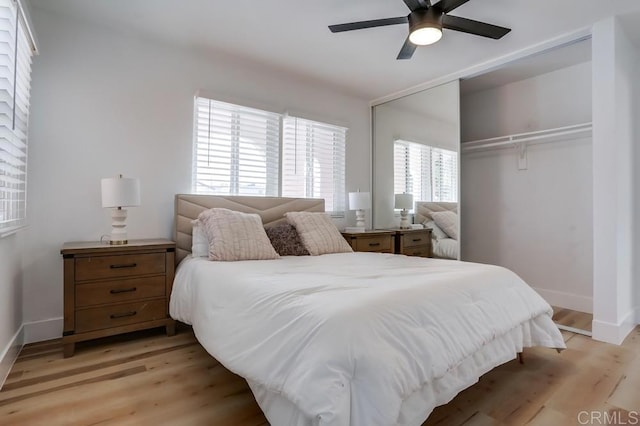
(119, 315)
(421, 251)
(125, 290)
(415, 239)
(127, 265)
(382, 243)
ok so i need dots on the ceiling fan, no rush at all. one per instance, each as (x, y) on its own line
(426, 22)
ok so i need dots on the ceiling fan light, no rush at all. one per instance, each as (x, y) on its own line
(425, 36)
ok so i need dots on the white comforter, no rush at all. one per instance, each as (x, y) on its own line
(348, 338)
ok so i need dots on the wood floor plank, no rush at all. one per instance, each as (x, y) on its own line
(571, 318)
(154, 379)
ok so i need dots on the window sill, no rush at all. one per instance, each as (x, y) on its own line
(6, 232)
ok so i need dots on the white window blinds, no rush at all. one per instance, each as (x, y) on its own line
(236, 150)
(313, 162)
(429, 173)
(16, 50)
(246, 151)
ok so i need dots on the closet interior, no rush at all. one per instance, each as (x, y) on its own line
(526, 183)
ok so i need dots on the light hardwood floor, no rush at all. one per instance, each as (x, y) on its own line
(575, 319)
(147, 378)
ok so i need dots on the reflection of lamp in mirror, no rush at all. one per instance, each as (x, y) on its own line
(360, 201)
(404, 202)
(119, 192)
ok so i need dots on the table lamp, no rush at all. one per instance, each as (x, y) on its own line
(404, 202)
(119, 192)
(360, 201)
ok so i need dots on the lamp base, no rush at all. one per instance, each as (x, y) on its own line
(118, 227)
(404, 220)
(360, 220)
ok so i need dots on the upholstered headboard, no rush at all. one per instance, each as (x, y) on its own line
(270, 209)
(424, 209)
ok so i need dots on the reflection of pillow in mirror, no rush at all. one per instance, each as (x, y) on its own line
(448, 222)
(436, 232)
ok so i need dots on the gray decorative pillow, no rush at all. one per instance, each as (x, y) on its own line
(285, 239)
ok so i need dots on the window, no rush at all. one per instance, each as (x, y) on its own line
(236, 150)
(313, 162)
(242, 151)
(429, 173)
(16, 50)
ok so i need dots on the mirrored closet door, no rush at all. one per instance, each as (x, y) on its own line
(416, 140)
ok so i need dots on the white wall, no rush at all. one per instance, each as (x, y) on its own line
(11, 249)
(615, 110)
(105, 103)
(536, 222)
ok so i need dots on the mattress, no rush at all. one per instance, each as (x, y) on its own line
(358, 338)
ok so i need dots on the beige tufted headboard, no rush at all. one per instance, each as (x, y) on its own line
(424, 209)
(270, 209)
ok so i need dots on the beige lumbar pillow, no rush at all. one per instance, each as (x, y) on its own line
(448, 222)
(318, 233)
(236, 236)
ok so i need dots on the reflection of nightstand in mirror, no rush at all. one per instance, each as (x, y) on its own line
(413, 242)
(372, 241)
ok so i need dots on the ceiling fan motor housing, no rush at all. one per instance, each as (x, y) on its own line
(425, 18)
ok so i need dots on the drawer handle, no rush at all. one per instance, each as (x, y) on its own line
(415, 240)
(125, 265)
(126, 314)
(374, 244)
(123, 290)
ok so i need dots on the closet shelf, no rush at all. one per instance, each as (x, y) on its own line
(520, 138)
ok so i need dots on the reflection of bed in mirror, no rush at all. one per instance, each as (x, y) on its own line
(444, 233)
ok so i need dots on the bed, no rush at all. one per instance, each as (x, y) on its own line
(351, 338)
(444, 247)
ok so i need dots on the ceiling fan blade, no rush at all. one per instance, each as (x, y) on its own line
(417, 4)
(407, 50)
(447, 6)
(470, 26)
(368, 24)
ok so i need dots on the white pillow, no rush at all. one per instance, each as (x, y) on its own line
(199, 241)
(318, 233)
(236, 236)
(436, 232)
(448, 222)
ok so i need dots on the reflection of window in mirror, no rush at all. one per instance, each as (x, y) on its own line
(427, 172)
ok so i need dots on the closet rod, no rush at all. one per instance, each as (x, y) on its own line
(525, 137)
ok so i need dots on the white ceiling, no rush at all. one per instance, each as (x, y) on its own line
(293, 35)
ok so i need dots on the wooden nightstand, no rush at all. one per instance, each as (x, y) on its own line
(413, 242)
(116, 289)
(373, 241)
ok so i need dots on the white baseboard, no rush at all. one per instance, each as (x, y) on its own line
(9, 354)
(615, 333)
(567, 300)
(39, 331)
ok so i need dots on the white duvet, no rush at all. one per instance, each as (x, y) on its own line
(359, 338)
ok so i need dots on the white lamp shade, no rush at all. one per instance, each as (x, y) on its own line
(404, 201)
(120, 192)
(359, 200)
